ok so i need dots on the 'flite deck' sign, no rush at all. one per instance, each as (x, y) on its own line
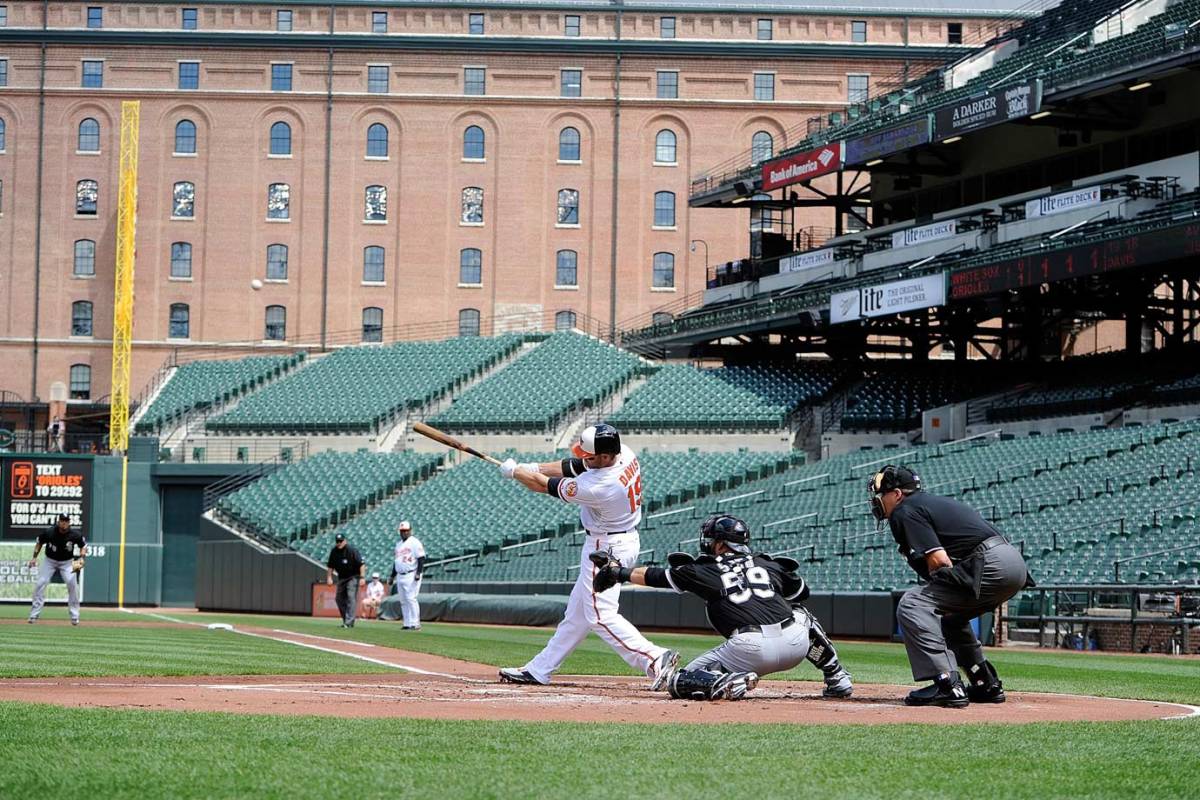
(801, 166)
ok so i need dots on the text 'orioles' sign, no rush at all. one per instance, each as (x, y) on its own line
(36, 490)
(801, 166)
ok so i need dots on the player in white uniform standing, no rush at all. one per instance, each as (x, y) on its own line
(406, 572)
(605, 481)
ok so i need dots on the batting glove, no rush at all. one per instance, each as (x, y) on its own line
(508, 467)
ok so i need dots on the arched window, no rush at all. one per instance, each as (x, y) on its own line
(664, 147)
(185, 136)
(375, 204)
(373, 269)
(664, 209)
(81, 318)
(377, 141)
(281, 139)
(372, 324)
(279, 201)
(181, 260)
(468, 322)
(276, 324)
(81, 382)
(568, 206)
(470, 267)
(472, 205)
(568, 144)
(661, 318)
(762, 147)
(277, 262)
(564, 320)
(566, 268)
(473, 142)
(664, 271)
(89, 136)
(85, 257)
(184, 200)
(87, 192)
(179, 325)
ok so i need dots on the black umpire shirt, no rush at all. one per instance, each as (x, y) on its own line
(59, 546)
(345, 562)
(738, 589)
(926, 522)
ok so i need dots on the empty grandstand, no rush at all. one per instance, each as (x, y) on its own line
(361, 389)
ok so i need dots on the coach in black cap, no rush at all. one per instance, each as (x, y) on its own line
(970, 568)
(348, 564)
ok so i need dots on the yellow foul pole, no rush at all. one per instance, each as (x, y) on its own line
(118, 423)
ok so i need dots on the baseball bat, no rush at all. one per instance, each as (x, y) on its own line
(450, 441)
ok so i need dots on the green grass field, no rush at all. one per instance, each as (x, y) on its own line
(177, 754)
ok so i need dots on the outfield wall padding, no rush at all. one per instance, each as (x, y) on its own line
(486, 609)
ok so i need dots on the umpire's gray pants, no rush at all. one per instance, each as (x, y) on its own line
(774, 649)
(347, 599)
(46, 571)
(936, 618)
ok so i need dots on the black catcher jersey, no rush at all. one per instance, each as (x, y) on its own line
(739, 589)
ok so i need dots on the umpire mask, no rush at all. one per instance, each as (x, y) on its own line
(889, 479)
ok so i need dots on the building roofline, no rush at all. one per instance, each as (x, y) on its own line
(580, 47)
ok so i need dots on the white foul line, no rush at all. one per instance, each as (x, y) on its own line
(315, 636)
(368, 659)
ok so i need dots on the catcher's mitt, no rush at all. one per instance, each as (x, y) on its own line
(606, 570)
(76, 565)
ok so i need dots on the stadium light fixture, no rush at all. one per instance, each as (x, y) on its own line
(1041, 115)
(874, 162)
(952, 140)
(1137, 87)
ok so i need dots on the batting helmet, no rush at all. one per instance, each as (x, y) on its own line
(724, 528)
(888, 479)
(596, 440)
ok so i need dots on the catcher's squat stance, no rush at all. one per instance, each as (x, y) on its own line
(605, 481)
(748, 596)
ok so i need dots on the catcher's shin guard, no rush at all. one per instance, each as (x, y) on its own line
(821, 653)
(700, 684)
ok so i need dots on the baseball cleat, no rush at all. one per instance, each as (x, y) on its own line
(987, 694)
(838, 685)
(947, 692)
(734, 685)
(515, 675)
(662, 669)
(33, 620)
(74, 622)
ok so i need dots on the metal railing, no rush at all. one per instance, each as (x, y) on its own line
(1068, 605)
(80, 443)
(1154, 554)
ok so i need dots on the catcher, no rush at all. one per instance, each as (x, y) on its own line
(65, 552)
(749, 598)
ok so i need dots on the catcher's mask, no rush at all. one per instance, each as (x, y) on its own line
(888, 479)
(724, 528)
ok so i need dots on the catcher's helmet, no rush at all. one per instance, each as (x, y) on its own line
(596, 440)
(887, 479)
(724, 528)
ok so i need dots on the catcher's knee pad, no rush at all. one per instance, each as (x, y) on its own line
(699, 684)
(821, 653)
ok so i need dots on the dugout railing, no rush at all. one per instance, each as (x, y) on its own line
(1066, 610)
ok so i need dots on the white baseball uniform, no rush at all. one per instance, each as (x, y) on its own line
(375, 591)
(610, 508)
(407, 552)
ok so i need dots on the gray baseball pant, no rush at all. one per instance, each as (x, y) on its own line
(774, 649)
(46, 571)
(347, 599)
(936, 618)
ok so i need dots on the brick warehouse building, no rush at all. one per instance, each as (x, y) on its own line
(373, 167)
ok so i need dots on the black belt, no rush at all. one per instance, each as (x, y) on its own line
(787, 623)
(608, 533)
